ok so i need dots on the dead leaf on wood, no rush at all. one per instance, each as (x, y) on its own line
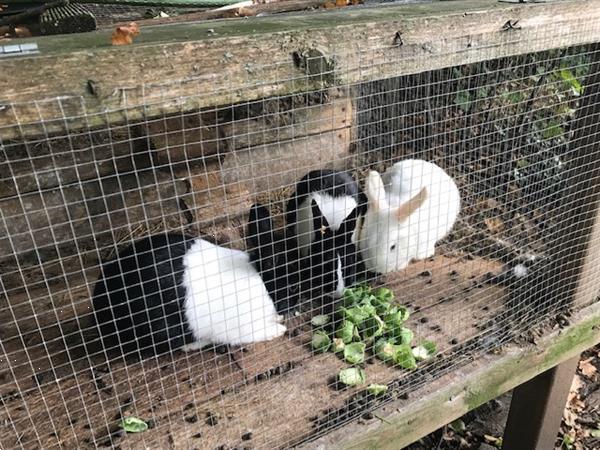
(329, 4)
(494, 224)
(245, 12)
(587, 368)
(22, 32)
(124, 35)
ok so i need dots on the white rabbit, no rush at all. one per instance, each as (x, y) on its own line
(410, 208)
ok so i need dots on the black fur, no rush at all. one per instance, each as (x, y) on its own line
(318, 269)
(332, 182)
(327, 246)
(273, 256)
(138, 299)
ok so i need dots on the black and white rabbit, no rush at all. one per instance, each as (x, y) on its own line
(170, 291)
(336, 200)
(332, 262)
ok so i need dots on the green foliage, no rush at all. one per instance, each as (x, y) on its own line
(133, 425)
(377, 389)
(463, 100)
(321, 320)
(352, 376)
(320, 341)
(355, 353)
(369, 316)
(571, 81)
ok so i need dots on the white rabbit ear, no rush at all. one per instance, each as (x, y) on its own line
(375, 191)
(405, 210)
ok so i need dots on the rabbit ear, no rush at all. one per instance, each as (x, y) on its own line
(320, 224)
(375, 191)
(404, 211)
(260, 226)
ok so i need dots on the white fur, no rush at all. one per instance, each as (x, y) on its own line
(334, 209)
(226, 301)
(520, 271)
(339, 289)
(414, 238)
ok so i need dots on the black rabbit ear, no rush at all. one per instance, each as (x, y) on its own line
(320, 224)
(260, 226)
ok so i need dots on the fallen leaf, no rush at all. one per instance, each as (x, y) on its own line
(246, 12)
(340, 3)
(496, 442)
(576, 385)
(587, 368)
(329, 5)
(124, 35)
(494, 224)
(22, 32)
(569, 417)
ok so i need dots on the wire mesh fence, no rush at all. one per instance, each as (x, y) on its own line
(252, 275)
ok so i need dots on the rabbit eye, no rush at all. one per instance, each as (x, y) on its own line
(393, 247)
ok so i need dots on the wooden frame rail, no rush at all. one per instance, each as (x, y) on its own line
(79, 81)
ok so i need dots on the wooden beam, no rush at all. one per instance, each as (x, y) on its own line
(189, 66)
(447, 398)
(537, 407)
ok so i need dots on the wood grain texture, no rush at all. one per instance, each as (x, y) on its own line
(181, 67)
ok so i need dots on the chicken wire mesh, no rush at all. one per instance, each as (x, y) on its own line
(84, 215)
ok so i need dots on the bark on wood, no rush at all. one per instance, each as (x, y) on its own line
(218, 60)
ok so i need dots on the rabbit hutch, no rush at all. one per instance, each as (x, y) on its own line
(195, 121)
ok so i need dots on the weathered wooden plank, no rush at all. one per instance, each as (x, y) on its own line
(537, 407)
(231, 61)
(447, 398)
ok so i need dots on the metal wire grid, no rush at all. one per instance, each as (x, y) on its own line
(59, 397)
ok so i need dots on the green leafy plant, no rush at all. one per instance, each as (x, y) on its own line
(321, 320)
(355, 353)
(320, 341)
(571, 81)
(352, 376)
(133, 425)
(377, 389)
(368, 320)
